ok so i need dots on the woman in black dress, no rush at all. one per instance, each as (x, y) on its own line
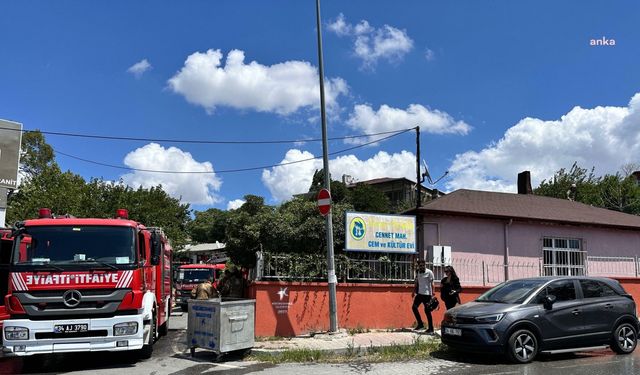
(450, 288)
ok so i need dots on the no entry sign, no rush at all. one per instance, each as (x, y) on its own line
(324, 202)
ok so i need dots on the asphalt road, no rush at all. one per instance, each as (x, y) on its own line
(171, 356)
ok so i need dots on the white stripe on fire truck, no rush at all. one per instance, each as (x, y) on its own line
(16, 282)
(22, 281)
(125, 279)
(16, 286)
(127, 282)
(122, 275)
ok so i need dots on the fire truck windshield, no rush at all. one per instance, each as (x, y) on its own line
(195, 275)
(93, 246)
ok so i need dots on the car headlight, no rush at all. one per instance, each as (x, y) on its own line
(125, 329)
(16, 333)
(495, 318)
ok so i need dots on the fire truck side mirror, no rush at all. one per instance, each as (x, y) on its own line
(156, 248)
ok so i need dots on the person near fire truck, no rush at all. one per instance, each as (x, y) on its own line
(204, 290)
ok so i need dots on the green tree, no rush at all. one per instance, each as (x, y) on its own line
(339, 190)
(208, 226)
(366, 198)
(245, 230)
(561, 185)
(619, 192)
(35, 153)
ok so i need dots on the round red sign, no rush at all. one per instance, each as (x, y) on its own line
(324, 202)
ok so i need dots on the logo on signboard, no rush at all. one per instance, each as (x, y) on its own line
(357, 228)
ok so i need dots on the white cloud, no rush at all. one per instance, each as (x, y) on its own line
(366, 119)
(139, 68)
(281, 88)
(371, 44)
(603, 137)
(198, 188)
(429, 55)
(235, 204)
(285, 181)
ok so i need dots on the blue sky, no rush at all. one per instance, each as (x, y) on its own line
(497, 87)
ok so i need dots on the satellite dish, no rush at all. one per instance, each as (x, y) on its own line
(426, 173)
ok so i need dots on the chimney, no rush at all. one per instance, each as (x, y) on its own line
(524, 183)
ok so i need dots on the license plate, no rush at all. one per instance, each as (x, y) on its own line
(70, 328)
(452, 331)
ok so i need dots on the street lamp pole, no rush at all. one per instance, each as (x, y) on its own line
(332, 279)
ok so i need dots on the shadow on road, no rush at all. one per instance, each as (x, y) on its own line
(468, 358)
(55, 363)
(496, 359)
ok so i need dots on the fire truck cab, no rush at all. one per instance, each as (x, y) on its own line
(87, 285)
(190, 275)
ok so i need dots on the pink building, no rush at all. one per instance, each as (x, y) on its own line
(533, 235)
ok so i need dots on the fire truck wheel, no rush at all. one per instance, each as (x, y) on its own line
(147, 349)
(163, 329)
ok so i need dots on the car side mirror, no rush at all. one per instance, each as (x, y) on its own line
(549, 301)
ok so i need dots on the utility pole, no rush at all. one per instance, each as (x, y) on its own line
(420, 232)
(332, 279)
(418, 176)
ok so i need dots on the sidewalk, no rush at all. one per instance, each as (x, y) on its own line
(342, 342)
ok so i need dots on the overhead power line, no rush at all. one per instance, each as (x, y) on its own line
(231, 170)
(198, 141)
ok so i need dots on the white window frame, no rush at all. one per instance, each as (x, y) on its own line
(563, 259)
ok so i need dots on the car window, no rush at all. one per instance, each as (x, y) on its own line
(564, 290)
(596, 289)
(514, 291)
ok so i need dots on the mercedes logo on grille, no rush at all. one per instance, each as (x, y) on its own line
(71, 298)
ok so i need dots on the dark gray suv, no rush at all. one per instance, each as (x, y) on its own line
(545, 314)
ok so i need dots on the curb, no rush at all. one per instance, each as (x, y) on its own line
(354, 350)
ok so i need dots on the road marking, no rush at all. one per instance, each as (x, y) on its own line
(502, 373)
(227, 366)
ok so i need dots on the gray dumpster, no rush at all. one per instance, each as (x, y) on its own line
(221, 325)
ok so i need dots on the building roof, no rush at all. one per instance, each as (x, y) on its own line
(527, 207)
(205, 247)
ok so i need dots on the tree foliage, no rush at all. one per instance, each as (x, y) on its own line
(35, 154)
(208, 226)
(619, 192)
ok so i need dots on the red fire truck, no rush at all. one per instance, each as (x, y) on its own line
(87, 285)
(190, 275)
(6, 243)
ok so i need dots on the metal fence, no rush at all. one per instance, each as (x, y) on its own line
(612, 266)
(400, 268)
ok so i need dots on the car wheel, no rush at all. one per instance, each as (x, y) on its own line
(522, 346)
(625, 339)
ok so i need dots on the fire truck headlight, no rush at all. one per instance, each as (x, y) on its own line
(16, 333)
(125, 329)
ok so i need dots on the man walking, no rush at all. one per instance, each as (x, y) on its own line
(423, 293)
